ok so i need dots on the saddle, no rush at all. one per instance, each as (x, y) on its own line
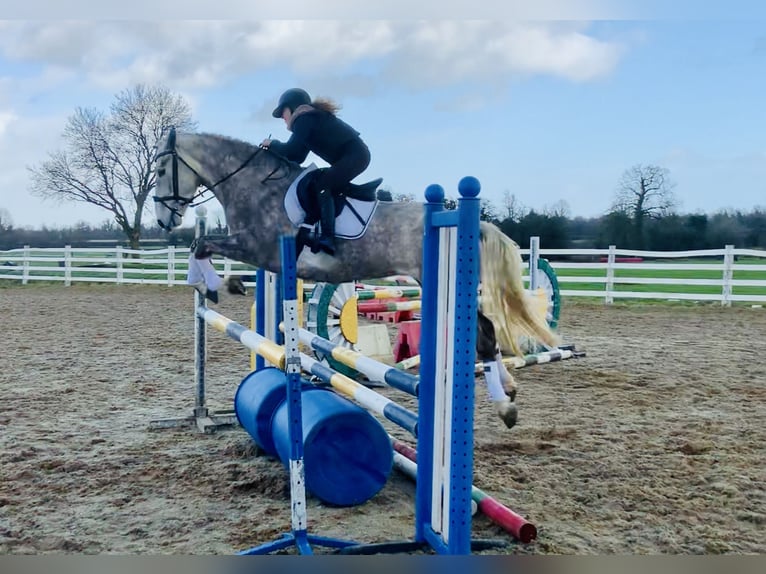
(354, 205)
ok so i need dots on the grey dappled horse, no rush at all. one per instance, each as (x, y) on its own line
(250, 183)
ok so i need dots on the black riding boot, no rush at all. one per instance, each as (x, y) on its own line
(327, 221)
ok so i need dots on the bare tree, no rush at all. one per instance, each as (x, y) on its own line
(512, 209)
(6, 223)
(644, 192)
(108, 157)
(488, 211)
(559, 208)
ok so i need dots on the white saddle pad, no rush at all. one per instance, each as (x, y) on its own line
(347, 224)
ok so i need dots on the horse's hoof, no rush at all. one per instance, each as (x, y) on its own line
(508, 412)
(235, 286)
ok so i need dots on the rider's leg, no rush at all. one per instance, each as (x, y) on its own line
(327, 221)
(337, 177)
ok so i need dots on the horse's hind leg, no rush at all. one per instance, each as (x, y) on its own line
(235, 286)
(500, 384)
(488, 349)
(486, 342)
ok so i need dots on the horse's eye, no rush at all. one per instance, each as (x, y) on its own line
(161, 172)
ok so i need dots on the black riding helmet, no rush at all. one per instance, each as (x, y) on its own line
(291, 99)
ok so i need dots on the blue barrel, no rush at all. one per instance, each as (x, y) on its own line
(347, 454)
(257, 398)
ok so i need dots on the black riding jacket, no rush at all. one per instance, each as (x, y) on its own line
(318, 131)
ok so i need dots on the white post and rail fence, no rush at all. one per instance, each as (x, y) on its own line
(726, 276)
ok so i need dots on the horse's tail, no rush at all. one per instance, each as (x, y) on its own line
(503, 297)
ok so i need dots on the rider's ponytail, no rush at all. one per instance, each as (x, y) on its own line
(326, 105)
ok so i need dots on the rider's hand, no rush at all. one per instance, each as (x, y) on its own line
(266, 143)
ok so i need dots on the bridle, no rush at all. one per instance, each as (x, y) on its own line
(184, 202)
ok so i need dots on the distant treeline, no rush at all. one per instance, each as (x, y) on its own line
(667, 233)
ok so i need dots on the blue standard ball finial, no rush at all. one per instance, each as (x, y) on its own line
(469, 186)
(435, 193)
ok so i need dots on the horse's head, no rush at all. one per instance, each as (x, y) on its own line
(176, 183)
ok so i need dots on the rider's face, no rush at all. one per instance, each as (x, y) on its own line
(286, 115)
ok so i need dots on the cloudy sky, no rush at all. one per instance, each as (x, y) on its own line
(550, 103)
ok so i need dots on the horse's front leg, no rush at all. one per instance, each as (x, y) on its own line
(205, 246)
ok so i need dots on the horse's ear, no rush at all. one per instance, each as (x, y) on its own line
(171, 145)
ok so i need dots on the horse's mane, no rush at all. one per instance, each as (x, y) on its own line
(236, 146)
(228, 140)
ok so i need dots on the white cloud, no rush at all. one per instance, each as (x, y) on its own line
(56, 43)
(306, 45)
(573, 54)
(199, 54)
(391, 9)
(445, 53)
(328, 9)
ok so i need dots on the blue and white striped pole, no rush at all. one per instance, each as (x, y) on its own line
(372, 369)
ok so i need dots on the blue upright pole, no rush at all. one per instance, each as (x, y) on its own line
(260, 311)
(448, 339)
(464, 308)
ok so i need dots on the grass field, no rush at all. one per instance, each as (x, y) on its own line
(693, 276)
